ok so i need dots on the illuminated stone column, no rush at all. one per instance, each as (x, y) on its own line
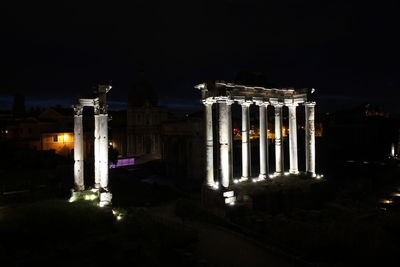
(78, 149)
(263, 108)
(103, 149)
(96, 147)
(246, 156)
(278, 139)
(209, 142)
(310, 138)
(225, 141)
(293, 139)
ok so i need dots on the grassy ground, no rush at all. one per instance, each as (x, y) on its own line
(55, 232)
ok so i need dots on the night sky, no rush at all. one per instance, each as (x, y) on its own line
(347, 50)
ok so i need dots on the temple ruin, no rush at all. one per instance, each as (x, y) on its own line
(226, 94)
(98, 102)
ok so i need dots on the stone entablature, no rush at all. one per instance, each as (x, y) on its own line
(222, 91)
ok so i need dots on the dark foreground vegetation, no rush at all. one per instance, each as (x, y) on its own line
(56, 232)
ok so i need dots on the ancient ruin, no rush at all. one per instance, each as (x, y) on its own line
(98, 102)
(224, 95)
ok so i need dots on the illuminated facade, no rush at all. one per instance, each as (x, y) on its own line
(100, 145)
(223, 95)
(62, 143)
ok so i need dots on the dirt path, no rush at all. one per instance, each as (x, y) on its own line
(220, 247)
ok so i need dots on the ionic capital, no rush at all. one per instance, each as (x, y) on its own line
(209, 101)
(310, 104)
(245, 103)
(261, 103)
(229, 102)
(277, 104)
(291, 104)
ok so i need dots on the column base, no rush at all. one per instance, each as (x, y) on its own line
(97, 185)
(262, 176)
(244, 178)
(294, 172)
(312, 174)
(105, 199)
(75, 195)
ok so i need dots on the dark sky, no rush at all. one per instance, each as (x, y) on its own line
(347, 50)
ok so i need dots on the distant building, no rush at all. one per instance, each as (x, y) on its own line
(364, 132)
(182, 147)
(144, 119)
(50, 129)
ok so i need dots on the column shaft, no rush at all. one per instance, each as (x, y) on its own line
(78, 150)
(96, 151)
(310, 138)
(263, 140)
(209, 144)
(278, 139)
(293, 139)
(225, 142)
(103, 150)
(246, 162)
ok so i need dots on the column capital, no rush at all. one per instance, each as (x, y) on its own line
(261, 103)
(245, 103)
(209, 101)
(100, 109)
(291, 104)
(310, 104)
(78, 110)
(229, 101)
(277, 104)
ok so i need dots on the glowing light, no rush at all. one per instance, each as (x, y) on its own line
(271, 176)
(65, 137)
(386, 201)
(6, 131)
(229, 194)
(94, 190)
(286, 173)
(72, 199)
(119, 217)
(229, 200)
(396, 194)
(216, 185)
(235, 181)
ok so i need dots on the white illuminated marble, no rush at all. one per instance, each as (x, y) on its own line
(100, 146)
(246, 154)
(209, 142)
(310, 138)
(293, 169)
(96, 148)
(78, 149)
(278, 139)
(225, 141)
(263, 138)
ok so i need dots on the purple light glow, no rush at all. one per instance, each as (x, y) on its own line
(122, 162)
